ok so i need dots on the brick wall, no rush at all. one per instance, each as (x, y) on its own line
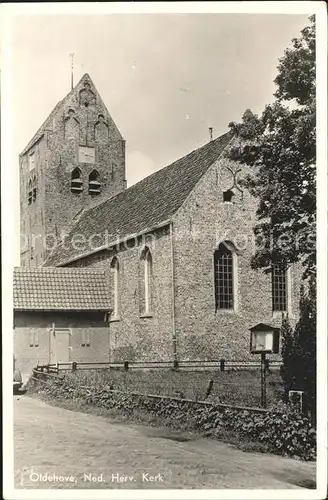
(200, 225)
(133, 335)
(41, 322)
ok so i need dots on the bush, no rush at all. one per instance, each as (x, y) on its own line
(281, 430)
(299, 350)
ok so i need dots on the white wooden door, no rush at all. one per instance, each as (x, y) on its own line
(59, 345)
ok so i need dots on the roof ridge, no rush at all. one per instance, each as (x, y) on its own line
(58, 269)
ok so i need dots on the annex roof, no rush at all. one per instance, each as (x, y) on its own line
(144, 205)
(58, 289)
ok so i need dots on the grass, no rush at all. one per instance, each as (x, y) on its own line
(239, 387)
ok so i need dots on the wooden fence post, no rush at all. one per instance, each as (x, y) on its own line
(126, 365)
(209, 388)
(74, 366)
(222, 365)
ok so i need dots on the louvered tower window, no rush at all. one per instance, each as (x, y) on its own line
(94, 184)
(76, 181)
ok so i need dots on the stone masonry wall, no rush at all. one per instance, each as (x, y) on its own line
(202, 332)
(133, 335)
(200, 225)
(32, 215)
(73, 125)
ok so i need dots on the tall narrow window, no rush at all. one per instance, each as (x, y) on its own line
(76, 181)
(147, 281)
(115, 269)
(279, 287)
(223, 277)
(34, 188)
(30, 195)
(94, 184)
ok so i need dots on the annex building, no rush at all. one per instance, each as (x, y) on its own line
(171, 254)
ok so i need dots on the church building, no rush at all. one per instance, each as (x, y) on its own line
(175, 248)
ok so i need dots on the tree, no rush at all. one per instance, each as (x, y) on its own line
(280, 148)
(299, 349)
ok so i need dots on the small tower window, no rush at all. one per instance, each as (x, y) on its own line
(31, 161)
(94, 184)
(76, 181)
(227, 195)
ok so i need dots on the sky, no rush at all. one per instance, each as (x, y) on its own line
(165, 78)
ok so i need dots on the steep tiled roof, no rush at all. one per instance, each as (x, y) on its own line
(144, 205)
(50, 288)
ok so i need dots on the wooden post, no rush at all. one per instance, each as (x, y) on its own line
(222, 363)
(175, 364)
(126, 365)
(267, 365)
(209, 388)
(263, 380)
(74, 366)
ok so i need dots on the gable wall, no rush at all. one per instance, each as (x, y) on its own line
(202, 222)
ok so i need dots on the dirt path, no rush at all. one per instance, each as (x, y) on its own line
(59, 448)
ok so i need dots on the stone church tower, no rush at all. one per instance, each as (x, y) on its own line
(74, 161)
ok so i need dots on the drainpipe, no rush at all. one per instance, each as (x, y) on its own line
(174, 339)
(107, 320)
(51, 331)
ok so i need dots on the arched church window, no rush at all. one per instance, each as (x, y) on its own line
(94, 184)
(146, 297)
(76, 181)
(224, 276)
(115, 283)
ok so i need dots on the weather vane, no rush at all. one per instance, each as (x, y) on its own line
(72, 68)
